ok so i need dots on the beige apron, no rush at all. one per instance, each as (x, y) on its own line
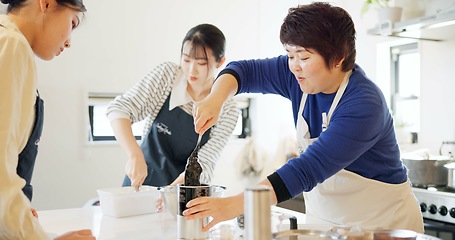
(349, 199)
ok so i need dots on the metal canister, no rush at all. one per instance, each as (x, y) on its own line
(257, 204)
(191, 229)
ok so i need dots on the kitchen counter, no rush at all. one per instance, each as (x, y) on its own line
(149, 226)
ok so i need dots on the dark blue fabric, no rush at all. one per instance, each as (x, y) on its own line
(360, 137)
(167, 146)
(27, 157)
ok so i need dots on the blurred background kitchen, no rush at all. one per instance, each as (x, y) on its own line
(120, 41)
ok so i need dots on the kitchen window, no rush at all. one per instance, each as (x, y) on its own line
(99, 125)
(405, 89)
(243, 127)
(100, 128)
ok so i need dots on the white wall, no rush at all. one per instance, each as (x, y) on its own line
(119, 41)
(437, 95)
(116, 44)
(437, 84)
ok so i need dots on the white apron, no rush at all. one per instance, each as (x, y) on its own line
(349, 199)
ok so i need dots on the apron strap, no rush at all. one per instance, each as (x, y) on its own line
(338, 96)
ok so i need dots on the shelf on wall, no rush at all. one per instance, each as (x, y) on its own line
(436, 27)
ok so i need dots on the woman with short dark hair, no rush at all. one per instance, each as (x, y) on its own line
(349, 167)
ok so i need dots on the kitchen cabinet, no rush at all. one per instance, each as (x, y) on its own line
(435, 27)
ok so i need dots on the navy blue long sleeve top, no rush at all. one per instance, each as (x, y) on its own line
(360, 137)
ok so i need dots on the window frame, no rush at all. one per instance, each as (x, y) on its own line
(243, 104)
(95, 99)
(396, 97)
(395, 53)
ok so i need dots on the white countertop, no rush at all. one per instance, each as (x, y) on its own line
(149, 226)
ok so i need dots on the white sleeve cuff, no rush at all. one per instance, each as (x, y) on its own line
(117, 114)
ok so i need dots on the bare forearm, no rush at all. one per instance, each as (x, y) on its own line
(224, 87)
(124, 135)
(239, 199)
(266, 182)
(136, 167)
(207, 111)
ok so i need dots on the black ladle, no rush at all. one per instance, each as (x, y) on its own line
(193, 168)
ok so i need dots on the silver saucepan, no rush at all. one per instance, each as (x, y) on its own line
(427, 171)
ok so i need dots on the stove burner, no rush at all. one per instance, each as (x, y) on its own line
(436, 203)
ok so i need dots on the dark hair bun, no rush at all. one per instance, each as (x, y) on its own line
(10, 1)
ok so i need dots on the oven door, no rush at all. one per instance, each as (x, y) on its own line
(439, 229)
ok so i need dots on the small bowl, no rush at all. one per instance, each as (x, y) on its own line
(169, 195)
(306, 234)
(395, 234)
(124, 201)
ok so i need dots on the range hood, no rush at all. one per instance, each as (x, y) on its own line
(437, 27)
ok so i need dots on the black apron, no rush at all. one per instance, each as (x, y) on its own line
(28, 155)
(167, 146)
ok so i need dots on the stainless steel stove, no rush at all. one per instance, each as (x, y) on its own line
(437, 205)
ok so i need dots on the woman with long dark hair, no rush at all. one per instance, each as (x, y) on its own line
(165, 98)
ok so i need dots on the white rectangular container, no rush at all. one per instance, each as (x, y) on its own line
(123, 201)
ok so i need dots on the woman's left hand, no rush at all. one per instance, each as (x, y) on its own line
(220, 209)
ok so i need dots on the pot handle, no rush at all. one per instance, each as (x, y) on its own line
(450, 165)
(292, 220)
(446, 143)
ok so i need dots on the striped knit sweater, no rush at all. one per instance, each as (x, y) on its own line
(147, 97)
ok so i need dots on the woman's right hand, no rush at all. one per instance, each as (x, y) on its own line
(85, 234)
(206, 113)
(220, 209)
(136, 169)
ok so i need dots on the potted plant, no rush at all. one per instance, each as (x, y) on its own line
(385, 11)
(367, 4)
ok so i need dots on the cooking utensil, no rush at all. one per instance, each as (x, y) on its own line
(124, 202)
(169, 194)
(426, 169)
(450, 174)
(198, 142)
(306, 234)
(257, 203)
(193, 168)
(190, 229)
(396, 234)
